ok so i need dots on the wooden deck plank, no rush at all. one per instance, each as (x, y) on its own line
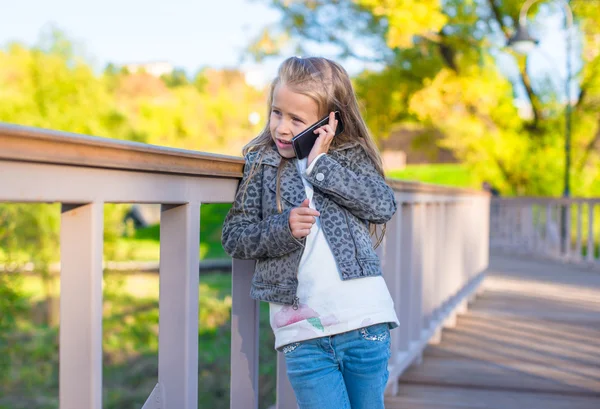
(514, 375)
(532, 340)
(473, 341)
(435, 397)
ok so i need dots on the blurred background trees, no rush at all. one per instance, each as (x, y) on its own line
(439, 66)
(439, 69)
(440, 83)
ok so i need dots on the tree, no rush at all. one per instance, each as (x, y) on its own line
(48, 86)
(440, 70)
(175, 79)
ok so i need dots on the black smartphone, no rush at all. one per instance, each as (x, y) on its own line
(304, 141)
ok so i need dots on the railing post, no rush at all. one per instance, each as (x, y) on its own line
(513, 226)
(485, 251)
(406, 277)
(244, 338)
(538, 228)
(567, 242)
(590, 243)
(429, 227)
(80, 354)
(286, 398)
(453, 252)
(530, 246)
(457, 266)
(579, 232)
(503, 225)
(549, 230)
(521, 231)
(519, 228)
(178, 306)
(510, 228)
(440, 266)
(392, 275)
(416, 310)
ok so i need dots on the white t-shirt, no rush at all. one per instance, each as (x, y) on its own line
(328, 305)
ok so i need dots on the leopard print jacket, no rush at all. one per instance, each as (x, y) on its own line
(349, 193)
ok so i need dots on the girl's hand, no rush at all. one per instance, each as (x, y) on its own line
(326, 134)
(301, 219)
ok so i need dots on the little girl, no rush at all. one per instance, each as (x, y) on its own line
(307, 224)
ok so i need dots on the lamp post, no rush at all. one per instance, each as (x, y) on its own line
(522, 41)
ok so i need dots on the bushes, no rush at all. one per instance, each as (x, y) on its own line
(29, 377)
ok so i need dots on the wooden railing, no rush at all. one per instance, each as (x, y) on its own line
(564, 229)
(434, 255)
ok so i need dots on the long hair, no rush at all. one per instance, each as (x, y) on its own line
(328, 84)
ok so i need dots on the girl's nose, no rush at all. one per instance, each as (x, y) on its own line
(282, 127)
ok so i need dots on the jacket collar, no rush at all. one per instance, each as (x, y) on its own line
(272, 157)
(291, 188)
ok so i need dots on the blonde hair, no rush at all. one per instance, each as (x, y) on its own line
(328, 84)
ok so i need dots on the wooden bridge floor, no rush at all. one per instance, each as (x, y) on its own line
(530, 341)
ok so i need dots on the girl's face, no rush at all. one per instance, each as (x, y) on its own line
(291, 113)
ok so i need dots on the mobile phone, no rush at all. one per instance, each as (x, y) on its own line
(304, 141)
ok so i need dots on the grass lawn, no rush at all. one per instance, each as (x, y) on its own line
(144, 245)
(441, 174)
(130, 346)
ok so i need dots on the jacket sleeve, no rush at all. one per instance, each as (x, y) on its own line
(358, 186)
(246, 235)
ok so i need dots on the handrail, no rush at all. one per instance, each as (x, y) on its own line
(29, 144)
(434, 257)
(532, 226)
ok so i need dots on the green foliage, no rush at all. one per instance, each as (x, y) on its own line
(175, 79)
(30, 229)
(212, 217)
(441, 174)
(50, 86)
(130, 347)
(439, 68)
(12, 304)
(144, 243)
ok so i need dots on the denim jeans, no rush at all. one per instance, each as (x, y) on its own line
(343, 371)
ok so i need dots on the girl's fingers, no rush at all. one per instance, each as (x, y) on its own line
(306, 219)
(307, 211)
(321, 131)
(326, 130)
(301, 232)
(301, 220)
(330, 129)
(301, 226)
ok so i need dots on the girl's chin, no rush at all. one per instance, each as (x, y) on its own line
(287, 153)
(285, 150)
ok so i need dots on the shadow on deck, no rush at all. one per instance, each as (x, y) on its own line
(530, 341)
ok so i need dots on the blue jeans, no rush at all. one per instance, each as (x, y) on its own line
(343, 371)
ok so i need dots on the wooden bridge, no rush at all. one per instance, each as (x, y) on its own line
(529, 340)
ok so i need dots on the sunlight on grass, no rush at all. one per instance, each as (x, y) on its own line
(144, 245)
(441, 174)
(137, 285)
